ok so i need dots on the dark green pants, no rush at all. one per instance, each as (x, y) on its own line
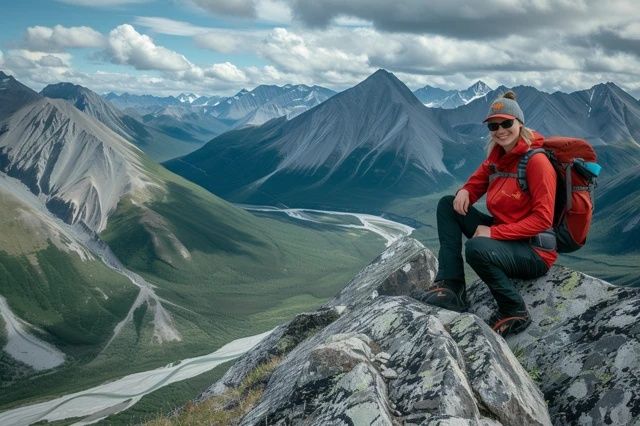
(495, 261)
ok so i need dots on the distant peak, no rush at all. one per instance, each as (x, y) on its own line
(480, 84)
(64, 90)
(380, 76)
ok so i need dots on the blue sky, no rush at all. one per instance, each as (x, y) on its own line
(218, 47)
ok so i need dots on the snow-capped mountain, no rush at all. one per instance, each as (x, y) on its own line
(296, 100)
(371, 141)
(80, 166)
(266, 102)
(435, 97)
(187, 98)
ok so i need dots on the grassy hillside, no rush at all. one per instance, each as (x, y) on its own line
(225, 273)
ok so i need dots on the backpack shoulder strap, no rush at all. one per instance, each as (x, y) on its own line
(522, 167)
(495, 173)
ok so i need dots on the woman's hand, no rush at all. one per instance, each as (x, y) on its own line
(461, 202)
(482, 231)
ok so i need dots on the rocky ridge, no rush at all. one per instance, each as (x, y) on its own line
(373, 355)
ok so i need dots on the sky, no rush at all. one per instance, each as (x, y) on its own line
(211, 47)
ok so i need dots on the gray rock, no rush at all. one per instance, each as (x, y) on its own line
(338, 382)
(403, 267)
(583, 346)
(451, 369)
(279, 342)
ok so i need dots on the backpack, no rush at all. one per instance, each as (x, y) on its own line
(576, 169)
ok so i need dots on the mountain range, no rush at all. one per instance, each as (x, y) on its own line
(360, 147)
(247, 107)
(120, 265)
(435, 97)
(376, 142)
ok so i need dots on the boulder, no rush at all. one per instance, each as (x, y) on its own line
(583, 346)
(373, 355)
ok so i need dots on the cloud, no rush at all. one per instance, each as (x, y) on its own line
(169, 26)
(21, 59)
(239, 8)
(127, 46)
(293, 52)
(224, 40)
(624, 39)
(273, 11)
(102, 3)
(491, 19)
(1, 59)
(59, 38)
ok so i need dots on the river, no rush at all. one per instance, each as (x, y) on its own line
(99, 402)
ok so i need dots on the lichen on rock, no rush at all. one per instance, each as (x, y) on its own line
(377, 356)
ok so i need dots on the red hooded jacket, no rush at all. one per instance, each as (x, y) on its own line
(517, 215)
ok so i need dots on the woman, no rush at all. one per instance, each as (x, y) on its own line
(506, 244)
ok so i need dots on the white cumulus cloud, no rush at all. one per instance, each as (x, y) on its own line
(58, 38)
(226, 71)
(127, 46)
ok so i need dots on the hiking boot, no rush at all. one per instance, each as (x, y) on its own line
(443, 297)
(507, 325)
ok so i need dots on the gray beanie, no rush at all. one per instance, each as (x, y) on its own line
(505, 108)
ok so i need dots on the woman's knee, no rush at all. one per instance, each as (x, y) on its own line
(446, 204)
(477, 249)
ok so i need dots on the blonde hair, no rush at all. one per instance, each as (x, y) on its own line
(525, 132)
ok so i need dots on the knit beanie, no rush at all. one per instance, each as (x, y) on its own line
(505, 107)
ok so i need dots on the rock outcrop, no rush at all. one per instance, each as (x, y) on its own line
(583, 345)
(373, 355)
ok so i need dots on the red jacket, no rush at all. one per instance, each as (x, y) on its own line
(517, 215)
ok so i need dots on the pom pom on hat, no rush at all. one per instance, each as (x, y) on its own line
(505, 107)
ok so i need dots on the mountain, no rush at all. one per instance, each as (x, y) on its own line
(141, 103)
(14, 95)
(186, 123)
(80, 166)
(435, 97)
(293, 102)
(187, 98)
(94, 105)
(144, 268)
(370, 143)
(160, 139)
(268, 101)
(617, 215)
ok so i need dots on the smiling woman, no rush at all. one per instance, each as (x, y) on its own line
(499, 246)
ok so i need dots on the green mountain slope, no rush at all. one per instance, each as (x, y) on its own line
(221, 273)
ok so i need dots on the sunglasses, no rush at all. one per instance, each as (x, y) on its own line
(505, 125)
